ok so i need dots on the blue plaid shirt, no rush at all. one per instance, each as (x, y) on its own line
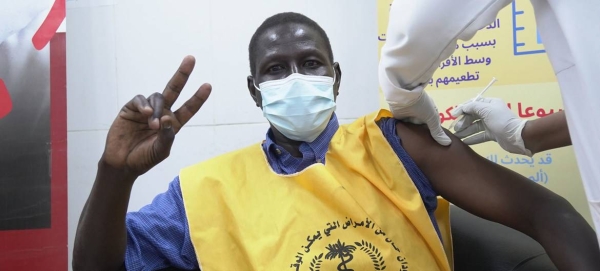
(158, 236)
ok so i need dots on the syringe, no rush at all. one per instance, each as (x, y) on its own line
(474, 99)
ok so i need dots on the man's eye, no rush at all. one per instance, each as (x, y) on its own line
(275, 68)
(311, 64)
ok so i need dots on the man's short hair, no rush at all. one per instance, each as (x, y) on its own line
(282, 19)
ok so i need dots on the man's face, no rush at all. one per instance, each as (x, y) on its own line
(291, 48)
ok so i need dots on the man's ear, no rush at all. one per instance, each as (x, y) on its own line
(255, 93)
(338, 78)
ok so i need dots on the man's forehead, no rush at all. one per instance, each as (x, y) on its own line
(282, 35)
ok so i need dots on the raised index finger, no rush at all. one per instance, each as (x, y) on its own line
(178, 81)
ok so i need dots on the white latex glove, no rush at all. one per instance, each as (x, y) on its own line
(490, 119)
(423, 110)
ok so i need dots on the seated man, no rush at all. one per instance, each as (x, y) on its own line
(314, 195)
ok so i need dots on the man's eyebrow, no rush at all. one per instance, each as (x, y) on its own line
(313, 51)
(273, 54)
(270, 55)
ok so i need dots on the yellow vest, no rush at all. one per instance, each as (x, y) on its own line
(360, 211)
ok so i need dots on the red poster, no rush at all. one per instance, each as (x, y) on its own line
(33, 136)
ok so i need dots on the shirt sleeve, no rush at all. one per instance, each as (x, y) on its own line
(420, 35)
(428, 194)
(158, 234)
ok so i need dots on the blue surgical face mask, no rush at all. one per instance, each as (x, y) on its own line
(299, 106)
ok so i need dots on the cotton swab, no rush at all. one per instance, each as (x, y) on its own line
(473, 100)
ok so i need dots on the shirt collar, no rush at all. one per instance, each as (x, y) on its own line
(319, 145)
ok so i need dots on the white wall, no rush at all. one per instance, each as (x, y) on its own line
(119, 48)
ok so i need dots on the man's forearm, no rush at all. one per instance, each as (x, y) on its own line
(546, 133)
(101, 237)
(567, 238)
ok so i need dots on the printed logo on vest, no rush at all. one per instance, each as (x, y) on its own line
(335, 250)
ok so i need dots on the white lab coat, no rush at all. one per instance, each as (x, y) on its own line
(423, 33)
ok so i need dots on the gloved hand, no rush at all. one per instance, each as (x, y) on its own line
(423, 110)
(490, 119)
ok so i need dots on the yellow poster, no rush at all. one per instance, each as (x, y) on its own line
(510, 50)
